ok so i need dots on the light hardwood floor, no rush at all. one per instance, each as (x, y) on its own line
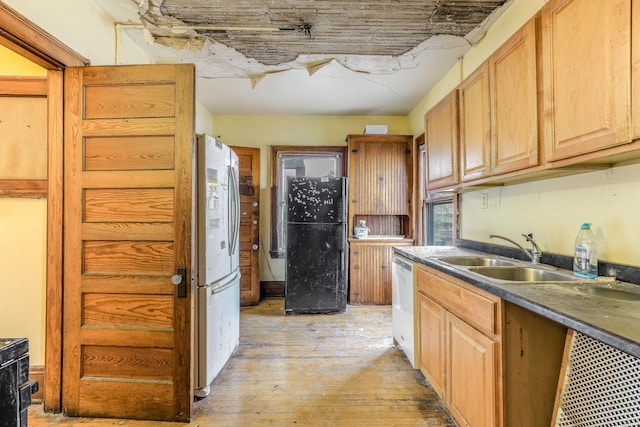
(306, 370)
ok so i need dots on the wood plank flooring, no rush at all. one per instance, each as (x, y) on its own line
(306, 370)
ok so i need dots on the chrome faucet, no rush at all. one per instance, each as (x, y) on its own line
(535, 253)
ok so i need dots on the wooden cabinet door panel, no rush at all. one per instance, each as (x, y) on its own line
(379, 175)
(586, 76)
(441, 139)
(433, 344)
(370, 274)
(475, 122)
(514, 102)
(471, 391)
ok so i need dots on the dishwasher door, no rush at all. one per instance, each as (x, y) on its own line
(402, 304)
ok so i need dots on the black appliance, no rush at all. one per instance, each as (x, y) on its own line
(316, 264)
(15, 387)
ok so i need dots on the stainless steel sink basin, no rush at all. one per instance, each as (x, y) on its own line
(475, 261)
(523, 274)
(617, 294)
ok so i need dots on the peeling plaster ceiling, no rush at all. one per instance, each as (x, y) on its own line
(332, 57)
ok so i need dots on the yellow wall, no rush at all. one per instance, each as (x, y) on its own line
(12, 64)
(554, 209)
(550, 209)
(22, 272)
(264, 131)
(23, 225)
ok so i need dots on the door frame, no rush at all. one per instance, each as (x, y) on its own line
(33, 43)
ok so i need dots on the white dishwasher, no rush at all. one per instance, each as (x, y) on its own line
(402, 303)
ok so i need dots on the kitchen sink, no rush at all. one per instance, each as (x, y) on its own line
(617, 294)
(523, 274)
(475, 261)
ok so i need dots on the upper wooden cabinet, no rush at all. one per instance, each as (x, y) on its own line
(586, 76)
(635, 72)
(441, 139)
(380, 174)
(475, 125)
(499, 110)
(514, 101)
(496, 117)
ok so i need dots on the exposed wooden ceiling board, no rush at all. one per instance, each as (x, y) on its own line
(378, 27)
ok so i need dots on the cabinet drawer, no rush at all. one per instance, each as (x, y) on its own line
(476, 309)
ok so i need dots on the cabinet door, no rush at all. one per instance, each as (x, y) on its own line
(379, 178)
(472, 374)
(441, 139)
(475, 122)
(358, 196)
(514, 102)
(586, 76)
(432, 343)
(370, 274)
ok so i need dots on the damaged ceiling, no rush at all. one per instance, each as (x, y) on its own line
(337, 57)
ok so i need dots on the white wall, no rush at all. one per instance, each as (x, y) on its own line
(88, 30)
(83, 26)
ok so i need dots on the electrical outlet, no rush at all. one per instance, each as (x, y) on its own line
(485, 200)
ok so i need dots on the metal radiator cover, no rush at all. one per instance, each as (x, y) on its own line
(601, 386)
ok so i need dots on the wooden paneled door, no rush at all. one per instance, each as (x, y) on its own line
(249, 159)
(127, 231)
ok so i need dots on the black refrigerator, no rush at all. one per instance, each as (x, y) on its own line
(316, 263)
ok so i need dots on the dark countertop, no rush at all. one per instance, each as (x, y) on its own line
(575, 305)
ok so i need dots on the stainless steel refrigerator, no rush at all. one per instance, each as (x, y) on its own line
(217, 274)
(316, 257)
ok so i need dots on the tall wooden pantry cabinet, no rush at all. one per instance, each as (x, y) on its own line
(381, 182)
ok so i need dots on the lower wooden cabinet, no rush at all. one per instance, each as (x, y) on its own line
(370, 270)
(370, 273)
(460, 345)
(491, 362)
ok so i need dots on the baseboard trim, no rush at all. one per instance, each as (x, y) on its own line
(36, 373)
(273, 289)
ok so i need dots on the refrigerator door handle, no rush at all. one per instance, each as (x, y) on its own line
(234, 230)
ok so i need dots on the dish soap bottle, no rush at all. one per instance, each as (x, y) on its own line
(585, 261)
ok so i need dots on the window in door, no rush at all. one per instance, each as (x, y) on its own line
(299, 162)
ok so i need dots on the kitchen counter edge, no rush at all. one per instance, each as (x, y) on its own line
(534, 297)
